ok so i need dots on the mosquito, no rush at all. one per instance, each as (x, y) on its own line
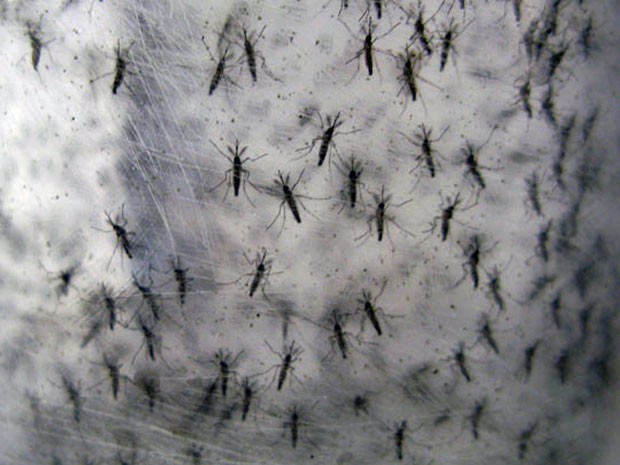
(367, 50)
(288, 357)
(370, 307)
(326, 138)
(446, 216)
(123, 236)
(529, 354)
(262, 271)
(459, 357)
(225, 365)
(423, 140)
(288, 198)
(381, 219)
(352, 171)
(420, 31)
(236, 176)
(487, 333)
(447, 43)
(250, 51)
(35, 44)
(475, 418)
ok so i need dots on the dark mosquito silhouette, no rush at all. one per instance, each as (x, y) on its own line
(151, 298)
(34, 37)
(422, 139)
(262, 270)
(475, 418)
(352, 171)
(288, 357)
(399, 439)
(495, 288)
(450, 34)
(459, 357)
(250, 51)
(180, 276)
(525, 92)
(225, 363)
(121, 62)
(528, 355)
(236, 176)
(259, 276)
(119, 69)
(249, 391)
(149, 383)
(151, 340)
(73, 393)
(447, 215)
(524, 439)
(370, 308)
(473, 168)
(533, 193)
(410, 62)
(380, 217)
(124, 238)
(114, 373)
(326, 138)
(285, 191)
(368, 50)
(339, 336)
(472, 253)
(420, 33)
(487, 334)
(219, 73)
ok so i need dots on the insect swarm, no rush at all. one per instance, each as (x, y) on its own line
(236, 176)
(381, 218)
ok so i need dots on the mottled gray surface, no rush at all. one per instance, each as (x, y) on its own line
(539, 370)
